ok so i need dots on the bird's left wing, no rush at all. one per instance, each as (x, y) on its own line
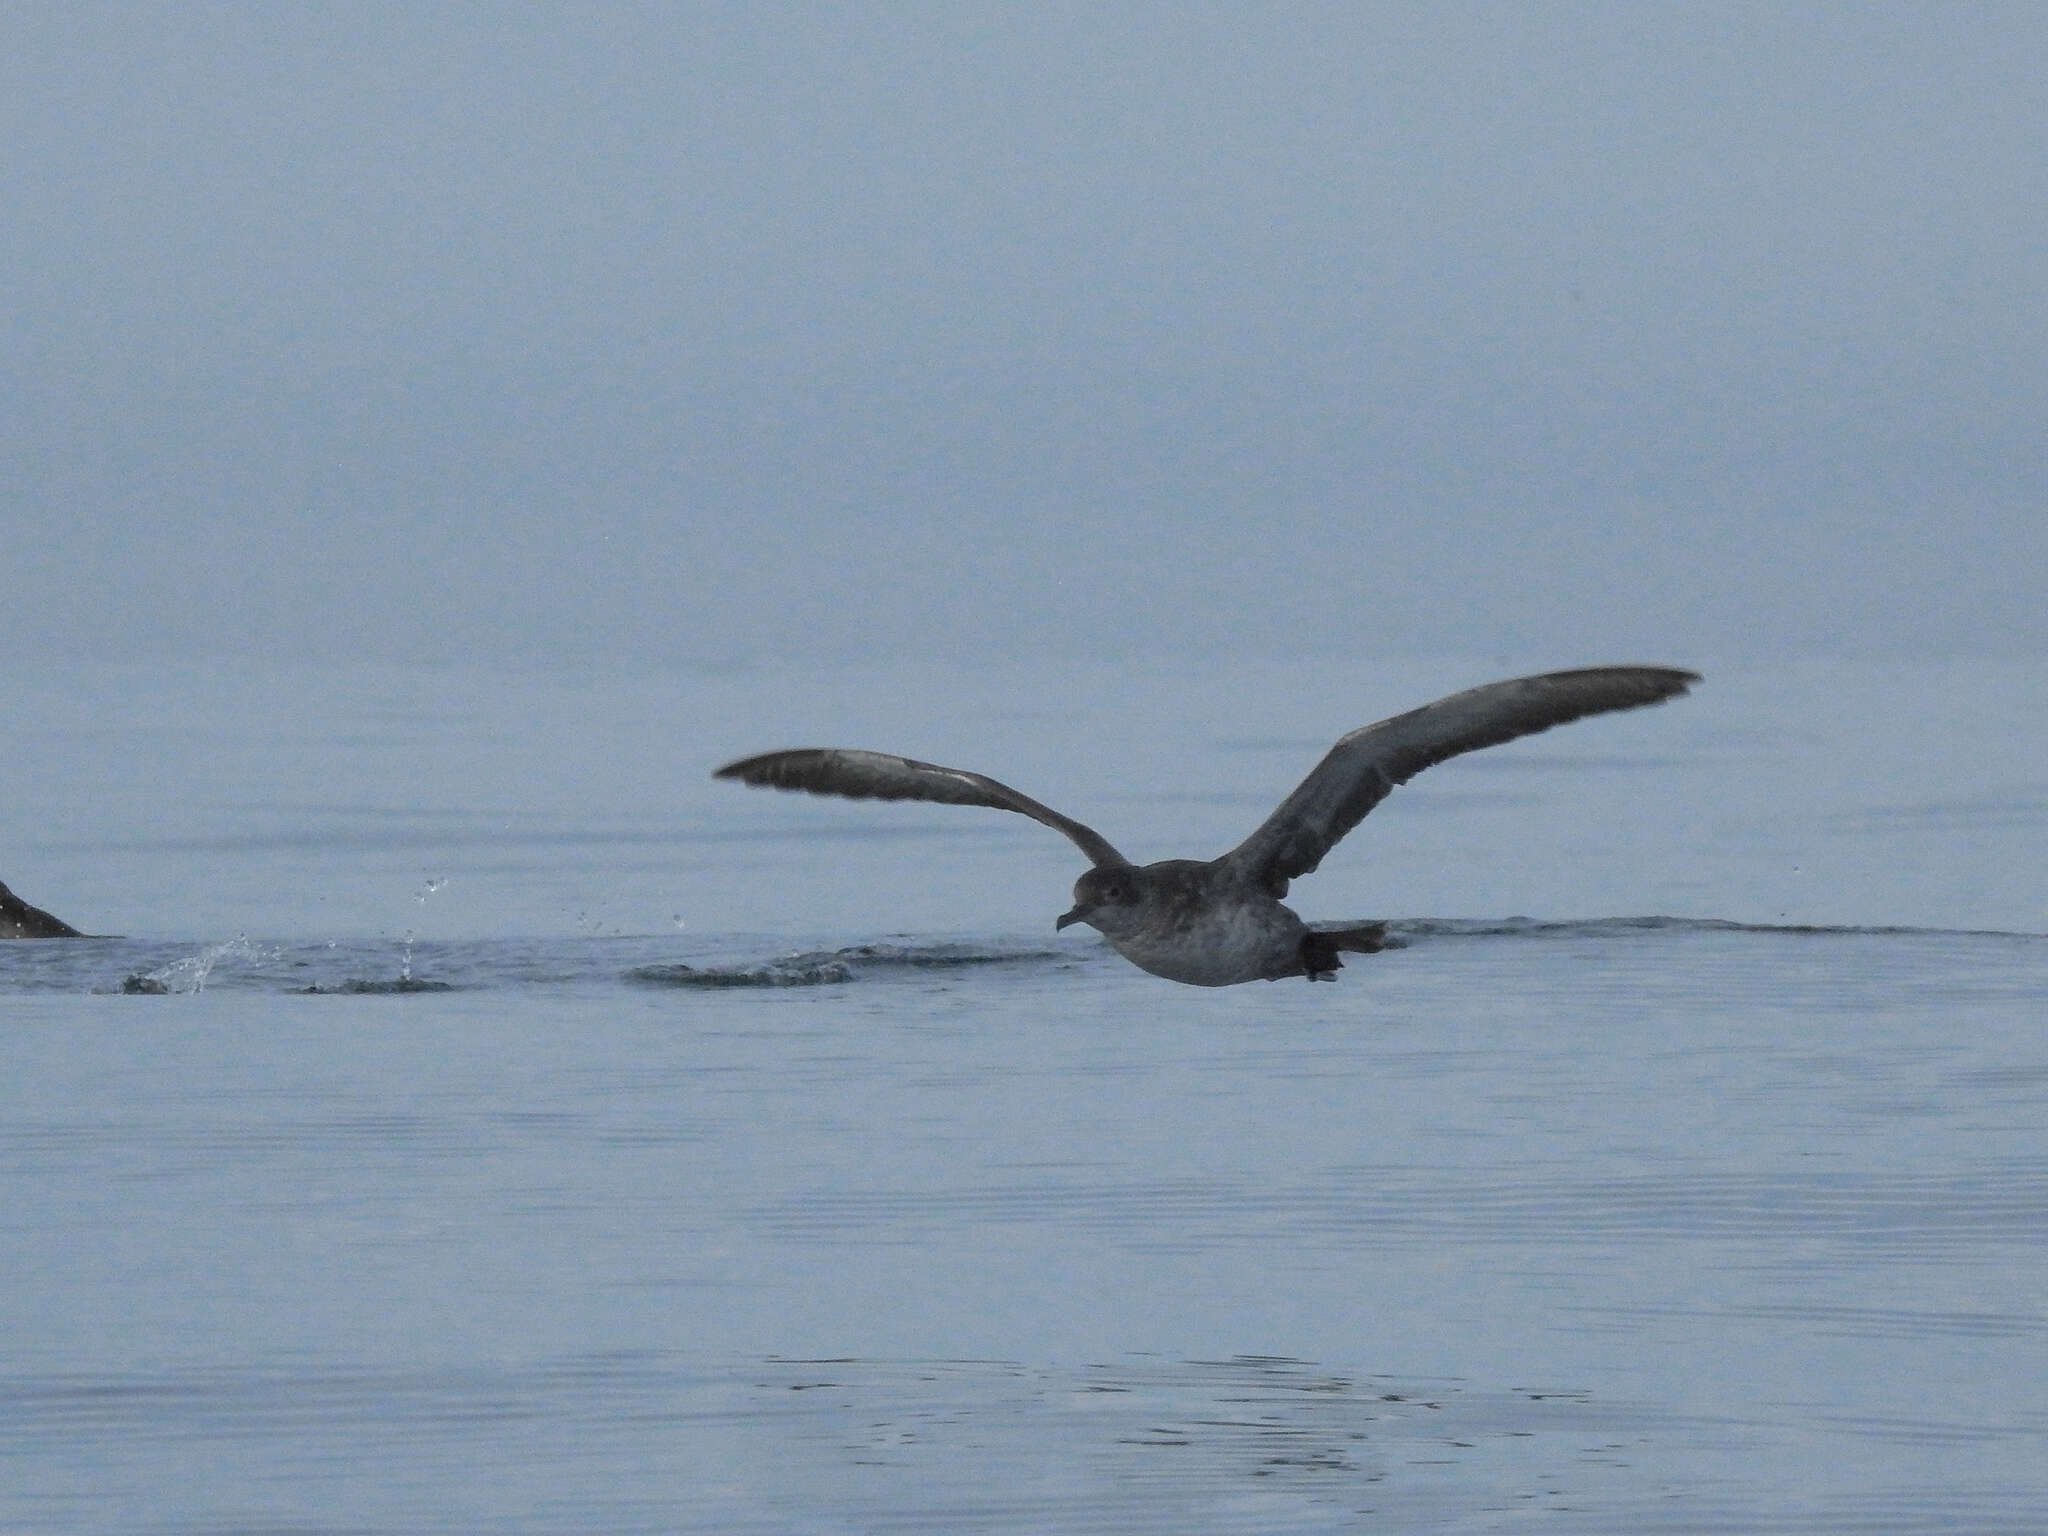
(1363, 767)
(883, 776)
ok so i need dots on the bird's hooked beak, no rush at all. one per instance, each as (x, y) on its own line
(1066, 919)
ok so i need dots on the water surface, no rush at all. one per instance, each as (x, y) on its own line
(856, 1215)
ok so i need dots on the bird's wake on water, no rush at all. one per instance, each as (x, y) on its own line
(909, 958)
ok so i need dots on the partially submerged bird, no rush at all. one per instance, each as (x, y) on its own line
(1218, 923)
(19, 920)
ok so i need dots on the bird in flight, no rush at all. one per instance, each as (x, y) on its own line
(1221, 922)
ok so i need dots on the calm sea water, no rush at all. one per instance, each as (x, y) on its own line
(488, 1123)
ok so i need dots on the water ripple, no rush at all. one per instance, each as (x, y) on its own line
(1897, 1212)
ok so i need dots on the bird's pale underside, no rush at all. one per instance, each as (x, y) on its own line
(1216, 923)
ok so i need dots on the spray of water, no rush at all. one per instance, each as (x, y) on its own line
(191, 973)
(419, 900)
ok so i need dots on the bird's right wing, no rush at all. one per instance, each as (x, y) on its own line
(882, 776)
(1362, 768)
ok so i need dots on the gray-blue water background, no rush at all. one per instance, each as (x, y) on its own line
(521, 1132)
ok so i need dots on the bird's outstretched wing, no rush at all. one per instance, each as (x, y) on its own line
(882, 776)
(1363, 767)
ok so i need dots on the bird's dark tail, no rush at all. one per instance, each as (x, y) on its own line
(1365, 939)
(1320, 948)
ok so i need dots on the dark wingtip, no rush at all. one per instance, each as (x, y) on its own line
(1676, 677)
(759, 769)
(1662, 682)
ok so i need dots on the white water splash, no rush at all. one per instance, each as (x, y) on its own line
(419, 900)
(190, 974)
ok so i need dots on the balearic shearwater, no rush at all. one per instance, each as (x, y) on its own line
(1218, 923)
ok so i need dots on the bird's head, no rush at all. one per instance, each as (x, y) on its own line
(1106, 898)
